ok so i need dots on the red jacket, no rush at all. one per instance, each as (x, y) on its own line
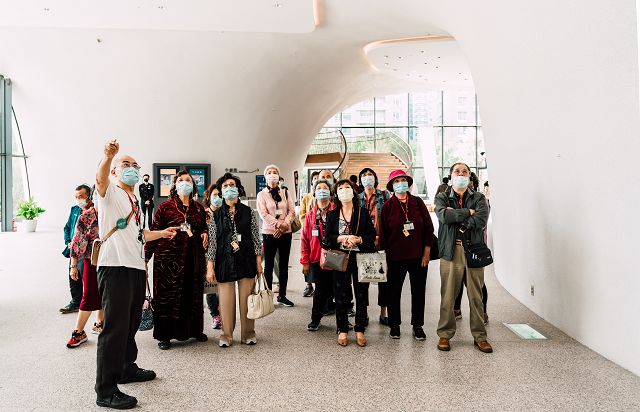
(310, 245)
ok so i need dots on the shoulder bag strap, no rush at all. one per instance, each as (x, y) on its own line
(112, 231)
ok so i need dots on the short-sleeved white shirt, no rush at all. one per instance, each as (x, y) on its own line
(123, 247)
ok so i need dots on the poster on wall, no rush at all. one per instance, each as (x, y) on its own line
(198, 174)
(261, 183)
(166, 180)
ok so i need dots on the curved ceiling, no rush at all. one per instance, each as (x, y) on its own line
(269, 16)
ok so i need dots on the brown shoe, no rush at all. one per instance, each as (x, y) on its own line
(483, 346)
(343, 339)
(443, 344)
(360, 339)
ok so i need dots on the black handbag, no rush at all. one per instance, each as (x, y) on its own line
(478, 255)
(146, 321)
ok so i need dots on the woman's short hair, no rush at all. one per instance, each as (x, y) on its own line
(337, 201)
(227, 176)
(174, 193)
(459, 163)
(207, 194)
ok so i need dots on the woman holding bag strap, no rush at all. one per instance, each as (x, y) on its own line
(349, 228)
(234, 255)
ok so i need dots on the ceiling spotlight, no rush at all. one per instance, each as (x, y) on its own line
(421, 51)
(395, 70)
(161, 7)
(438, 57)
(386, 57)
(277, 4)
(437, 67)
(47, 9)
(425, 63)
(399, 57)
(386, 64)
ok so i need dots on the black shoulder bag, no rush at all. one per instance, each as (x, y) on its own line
(478, 255)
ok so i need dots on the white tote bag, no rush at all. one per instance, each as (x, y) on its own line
(372, 267)
(260, 302)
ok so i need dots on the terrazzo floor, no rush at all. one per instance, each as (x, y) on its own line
(292, 369)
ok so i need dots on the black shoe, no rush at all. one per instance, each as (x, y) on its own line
(164, 345)
(202, 338)
(418, 333)
(384, 321)
(282, 300)
(308, 291)
(395, 332)
(70, 308)
(141, 375)
(331, 310)
(117, 401)
(313, 326)
(351, 313)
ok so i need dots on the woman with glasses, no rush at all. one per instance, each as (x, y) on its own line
(349, 228)
(179, 265)
(234, 256)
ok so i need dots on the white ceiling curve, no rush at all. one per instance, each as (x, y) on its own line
(258, 16)
(433, 61)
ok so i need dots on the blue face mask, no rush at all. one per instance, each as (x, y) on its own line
(216, 201)
(184, 188)
(230, 193)
(401, 187)
(129, 176)
(322, 194)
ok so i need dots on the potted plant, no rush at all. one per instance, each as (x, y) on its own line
(28, 210)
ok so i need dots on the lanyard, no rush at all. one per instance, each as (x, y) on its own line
(319, 215)
(180, 211)
(134, 208)
(405, 211)
(348, 223)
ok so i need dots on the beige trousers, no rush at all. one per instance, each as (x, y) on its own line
(451, 273)
(227, 296)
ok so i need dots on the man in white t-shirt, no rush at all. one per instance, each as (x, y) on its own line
(121, 277)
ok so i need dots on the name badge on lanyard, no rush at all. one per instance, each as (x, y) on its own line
(239, 237)
(315, 233)
(408, 226)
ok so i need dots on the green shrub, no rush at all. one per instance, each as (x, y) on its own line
(29, 210)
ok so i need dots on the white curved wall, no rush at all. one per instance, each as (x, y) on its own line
(558, 88)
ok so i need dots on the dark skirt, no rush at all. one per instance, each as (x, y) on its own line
(91, 299)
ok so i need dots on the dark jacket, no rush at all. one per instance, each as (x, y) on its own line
(69, 228)
(452, 220)
(365, 230)
(231, 266)
(146, 192)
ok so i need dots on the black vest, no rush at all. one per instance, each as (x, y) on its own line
(231, 266)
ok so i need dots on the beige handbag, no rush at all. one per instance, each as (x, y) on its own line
(260, 302)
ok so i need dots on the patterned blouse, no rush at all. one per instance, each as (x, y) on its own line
(213, 238)
(86, 232)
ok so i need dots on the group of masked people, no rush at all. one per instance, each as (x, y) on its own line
(222, 241)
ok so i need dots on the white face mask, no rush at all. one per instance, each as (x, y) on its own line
(460, 182)
(368, 181)
(272, 178)
(82, 203)
(345, 194)
(184, 188)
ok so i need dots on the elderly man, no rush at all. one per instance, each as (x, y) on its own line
(83, 201)
(463, 215)
(121, 277)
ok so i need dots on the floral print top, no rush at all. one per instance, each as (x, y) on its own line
(86, 232)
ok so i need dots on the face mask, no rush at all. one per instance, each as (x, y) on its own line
(130, 176)
(82, 203)
(272, 178)
(322, 194)
(401, 187)
(368, 181)
(345, 194)
(460, 182)
(230, 193)
(329, 180)
(146, 180)
(216, 201)
(184, 188)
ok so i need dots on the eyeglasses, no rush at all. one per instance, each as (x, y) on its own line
(127, 164)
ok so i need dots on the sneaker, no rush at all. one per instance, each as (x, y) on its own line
(70, 308)
(117, 401)
(223, 343)
(217, 322)
(418, 333)
(97, 328)
(77, 339)
(313, 326)
(351, 313)
(250, 341)
(457, 314)
(308, 291)
(140, 375)
(283, 301)
(395, 332)
(486, 319)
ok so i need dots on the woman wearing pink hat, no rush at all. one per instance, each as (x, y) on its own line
(406, 234)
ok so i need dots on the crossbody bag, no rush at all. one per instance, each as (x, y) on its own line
(97, 243)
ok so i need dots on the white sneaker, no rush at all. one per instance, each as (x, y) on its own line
(251, 341)
(223, 343)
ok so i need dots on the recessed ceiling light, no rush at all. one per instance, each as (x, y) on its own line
(425, 63)
(277, 4)
(161, 7)
(395, 70)
(438, 57)
(47, 9)
(386, 57)
(437, 67)
(386, 64)
(399, 57)
(421, 51)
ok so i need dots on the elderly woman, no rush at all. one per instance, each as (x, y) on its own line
(350, 229)
(313, 232)
(276, 209)
(179, 265)
(406, 234)
(212, 201)
(80, 248)
(234, 256)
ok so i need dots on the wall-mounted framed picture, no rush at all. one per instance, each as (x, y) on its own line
(163, 174)
(261, 183)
